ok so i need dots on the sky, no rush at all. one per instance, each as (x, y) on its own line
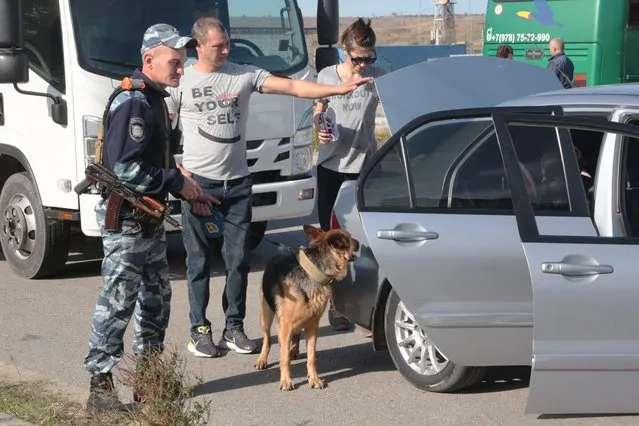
(368, 8)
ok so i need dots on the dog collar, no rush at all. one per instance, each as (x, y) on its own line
(313, 270)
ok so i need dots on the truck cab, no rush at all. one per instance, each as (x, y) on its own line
(59, 62)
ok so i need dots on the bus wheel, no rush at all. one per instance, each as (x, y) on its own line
(34, 246)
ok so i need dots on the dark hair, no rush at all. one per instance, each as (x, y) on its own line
(504, 50)
(359, 34)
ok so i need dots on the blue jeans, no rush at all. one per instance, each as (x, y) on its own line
(235, 198)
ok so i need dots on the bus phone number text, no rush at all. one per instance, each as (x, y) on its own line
(516, 37)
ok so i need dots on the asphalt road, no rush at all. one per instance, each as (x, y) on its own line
(44, 326)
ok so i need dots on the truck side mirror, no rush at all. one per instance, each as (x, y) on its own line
(327, 22)
(14, 67)
(14, 63)
(59, 112)
(325, 57)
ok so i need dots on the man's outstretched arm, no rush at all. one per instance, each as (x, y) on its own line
(308, 89)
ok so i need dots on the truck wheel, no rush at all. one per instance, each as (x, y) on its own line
(416, 356)
(34, 246)
(258, 229)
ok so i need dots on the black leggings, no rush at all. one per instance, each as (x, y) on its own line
(328, 184)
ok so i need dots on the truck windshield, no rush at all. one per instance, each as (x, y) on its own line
(265, 33)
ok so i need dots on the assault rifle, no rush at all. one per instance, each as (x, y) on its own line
(103, 178)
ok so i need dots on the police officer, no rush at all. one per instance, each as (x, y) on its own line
(135, 268)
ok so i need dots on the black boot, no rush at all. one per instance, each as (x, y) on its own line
(102, 396)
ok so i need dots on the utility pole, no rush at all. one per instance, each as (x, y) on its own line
(419, 18)
(470, 30)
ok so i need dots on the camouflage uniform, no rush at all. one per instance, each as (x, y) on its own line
(135, 268)
(136, 275)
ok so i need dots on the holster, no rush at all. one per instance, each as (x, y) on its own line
(112, 215)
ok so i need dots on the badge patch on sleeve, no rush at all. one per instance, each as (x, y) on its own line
(137, 129)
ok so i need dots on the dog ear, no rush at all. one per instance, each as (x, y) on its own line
(312, 232)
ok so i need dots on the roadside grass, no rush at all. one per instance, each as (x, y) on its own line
(28, 401)
(161, 382)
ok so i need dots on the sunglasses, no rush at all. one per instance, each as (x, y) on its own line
(359, 60)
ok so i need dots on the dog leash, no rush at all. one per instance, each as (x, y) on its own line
(275, 243)
(213, 227)
(306, 264)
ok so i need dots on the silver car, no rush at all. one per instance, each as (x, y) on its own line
(499, 225)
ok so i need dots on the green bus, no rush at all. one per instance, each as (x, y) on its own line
(601, 36)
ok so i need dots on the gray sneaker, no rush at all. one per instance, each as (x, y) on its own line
(202, 345)
(237, 340)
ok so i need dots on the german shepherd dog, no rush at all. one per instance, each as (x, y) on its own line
(296, 289)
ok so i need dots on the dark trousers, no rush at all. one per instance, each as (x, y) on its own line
(328, 185)
(235, 198)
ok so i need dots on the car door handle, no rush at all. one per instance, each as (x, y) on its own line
(405, 235)
(574, 269)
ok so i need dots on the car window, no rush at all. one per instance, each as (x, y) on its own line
(43, 40)
(386, 185)
(587, 146)
(629, 185)
(457, 164)
(542, 167)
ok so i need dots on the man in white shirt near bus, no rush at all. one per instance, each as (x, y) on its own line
(214, 107)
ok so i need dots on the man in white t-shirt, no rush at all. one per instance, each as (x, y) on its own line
(213, 109)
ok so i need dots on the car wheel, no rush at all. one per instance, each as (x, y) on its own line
(33, 246)
(416, 356)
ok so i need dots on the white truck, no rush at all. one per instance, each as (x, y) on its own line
(61, 59)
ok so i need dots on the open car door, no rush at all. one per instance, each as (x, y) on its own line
(585, 286)
(437, 209)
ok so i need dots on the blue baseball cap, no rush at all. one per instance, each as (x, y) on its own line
(167, 35)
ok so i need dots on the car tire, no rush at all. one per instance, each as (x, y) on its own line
(34, 246)
(443, 377)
